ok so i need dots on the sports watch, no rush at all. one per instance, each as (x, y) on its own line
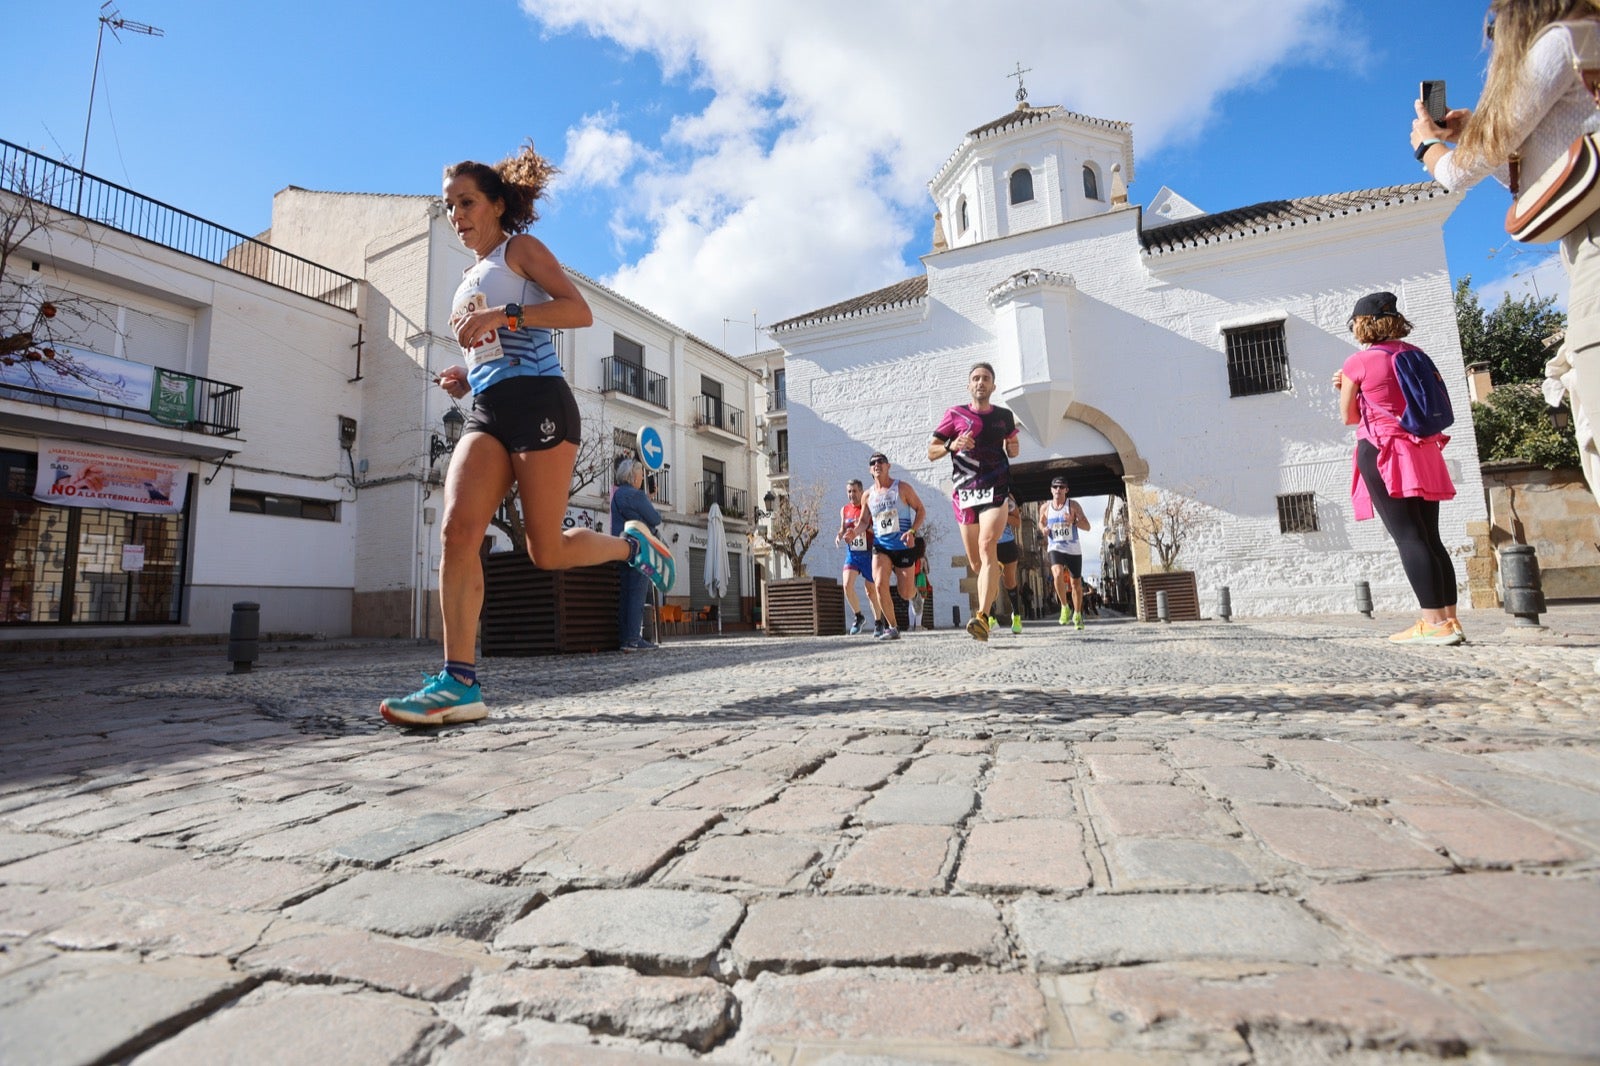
(513, 317)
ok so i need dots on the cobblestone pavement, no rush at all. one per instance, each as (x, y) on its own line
(1270, 841)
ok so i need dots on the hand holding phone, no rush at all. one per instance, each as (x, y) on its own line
(1432, 96)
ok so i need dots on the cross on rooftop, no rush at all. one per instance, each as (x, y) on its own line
(1022, 91)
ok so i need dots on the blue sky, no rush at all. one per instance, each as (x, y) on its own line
(724, 158)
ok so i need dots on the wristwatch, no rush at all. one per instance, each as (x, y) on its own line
(513, 317)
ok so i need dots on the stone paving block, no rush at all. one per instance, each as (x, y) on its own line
(89, 1007)
(850, 770)
(1556, 1006)
(804, 933)
(1249, 784)
(650, 929)
(130, 925)
(1015, 796)
(695, 1011)
(1575, 766)
(937, 745)
(1191, 752)
(624, 849)
(494, 851)
(381, 845)
(1143, 864)
(764, 860)
(1485, 836)
(121, 811)
(277, 1025)
(788, 761)
(897, 858)
(805, 808)
(416, 904)
(1024, 855)
(1154, 810)
(1320, 839)
(542, 789)
(1368, 780)
(1425, 758)
(1128, 769)
(1467, 914)
(178, 822)
(1113, 746)
(665, 775)
(242, 821)
(901, 804)
(1299, 750)
(945, 770)
(1119, 930)
(514, 1048)
(1022, 770)
(1575, 810)
(224, 884)
(90, 864)
(29, 909)
(316, 838)
(984, 1009)
(386, 965)
(727, 790)
(577, 810)
(14, 846)
(43, 810)
(273, 788)
(1033, 751)
(887, 744)
(1372, 1010)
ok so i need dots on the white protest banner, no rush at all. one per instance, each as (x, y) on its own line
(76, 475)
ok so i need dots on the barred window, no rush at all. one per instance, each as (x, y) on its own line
(1297, 512)
(1258, 360)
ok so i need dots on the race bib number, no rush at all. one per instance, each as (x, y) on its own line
(488, 347)
(886, 523)
(966, 498)
(859, 543)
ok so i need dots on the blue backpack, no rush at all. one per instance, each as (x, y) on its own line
(1428, 410)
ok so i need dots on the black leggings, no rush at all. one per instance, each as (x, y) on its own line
(1414, 524)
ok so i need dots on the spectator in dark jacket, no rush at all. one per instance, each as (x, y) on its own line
(629, 502)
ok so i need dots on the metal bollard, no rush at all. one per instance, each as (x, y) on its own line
(1224, 604)
(955, 617)
(244, 632)
(1162, 614)
(1364, 598)
(1519, 574)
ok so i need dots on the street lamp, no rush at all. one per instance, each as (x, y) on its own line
(1560, 417)
(453, 421)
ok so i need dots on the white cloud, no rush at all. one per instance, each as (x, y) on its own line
(803, 179)
(597, 154)
(1541, 277)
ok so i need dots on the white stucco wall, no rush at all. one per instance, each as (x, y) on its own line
(1146, 353)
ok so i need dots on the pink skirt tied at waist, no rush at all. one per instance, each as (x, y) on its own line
(1409, 466)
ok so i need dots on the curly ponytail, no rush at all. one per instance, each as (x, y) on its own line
(517, 182)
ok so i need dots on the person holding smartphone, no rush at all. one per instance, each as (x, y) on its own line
(1534, 105)
(980, 439)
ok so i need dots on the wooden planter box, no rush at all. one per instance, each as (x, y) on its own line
(805, 607)
(1183, 595)
(528, 611)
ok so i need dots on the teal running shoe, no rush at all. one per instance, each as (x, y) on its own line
(442, 699)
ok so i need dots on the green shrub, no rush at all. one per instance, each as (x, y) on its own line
(1514, 423)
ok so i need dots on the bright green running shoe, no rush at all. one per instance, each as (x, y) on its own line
(1077, 620)
(1066, 615)
(1016, 622)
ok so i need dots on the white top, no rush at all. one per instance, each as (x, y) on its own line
(1553, 104)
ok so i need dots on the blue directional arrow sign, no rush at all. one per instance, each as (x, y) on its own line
(651, 448)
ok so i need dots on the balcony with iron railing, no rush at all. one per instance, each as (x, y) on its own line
(630, 379)
(778, 464)
(73, 192)
(733, 502)
(70, 379)
(710, 412)
(777, 400)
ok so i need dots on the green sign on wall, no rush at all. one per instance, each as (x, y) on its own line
(172, 398)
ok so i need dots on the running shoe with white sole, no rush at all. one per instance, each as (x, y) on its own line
(653, 559)
(441, 700)
(891, 633)
(1066, 615)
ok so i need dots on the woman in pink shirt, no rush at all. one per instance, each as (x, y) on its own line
(1400, 476)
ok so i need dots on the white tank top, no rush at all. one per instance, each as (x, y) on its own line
(1063, 533)
(491, 283)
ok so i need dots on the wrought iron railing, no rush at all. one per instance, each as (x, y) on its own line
(215, 411)
(658, 484)
(631, 379)
(712, 411)
(777, 399)
(778, 464)
(68, 189)
(731, 501)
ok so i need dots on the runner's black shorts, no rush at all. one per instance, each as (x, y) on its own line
(1073, 561)
(527, 413)
(1008, 552)
(903, 557)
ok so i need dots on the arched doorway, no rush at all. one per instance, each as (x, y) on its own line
(1087, 476)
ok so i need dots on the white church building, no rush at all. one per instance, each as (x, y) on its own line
(1147, 353)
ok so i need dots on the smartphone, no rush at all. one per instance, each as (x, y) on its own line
(1432, 95)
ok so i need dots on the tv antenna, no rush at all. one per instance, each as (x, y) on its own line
(110, 18)
(755, 334)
